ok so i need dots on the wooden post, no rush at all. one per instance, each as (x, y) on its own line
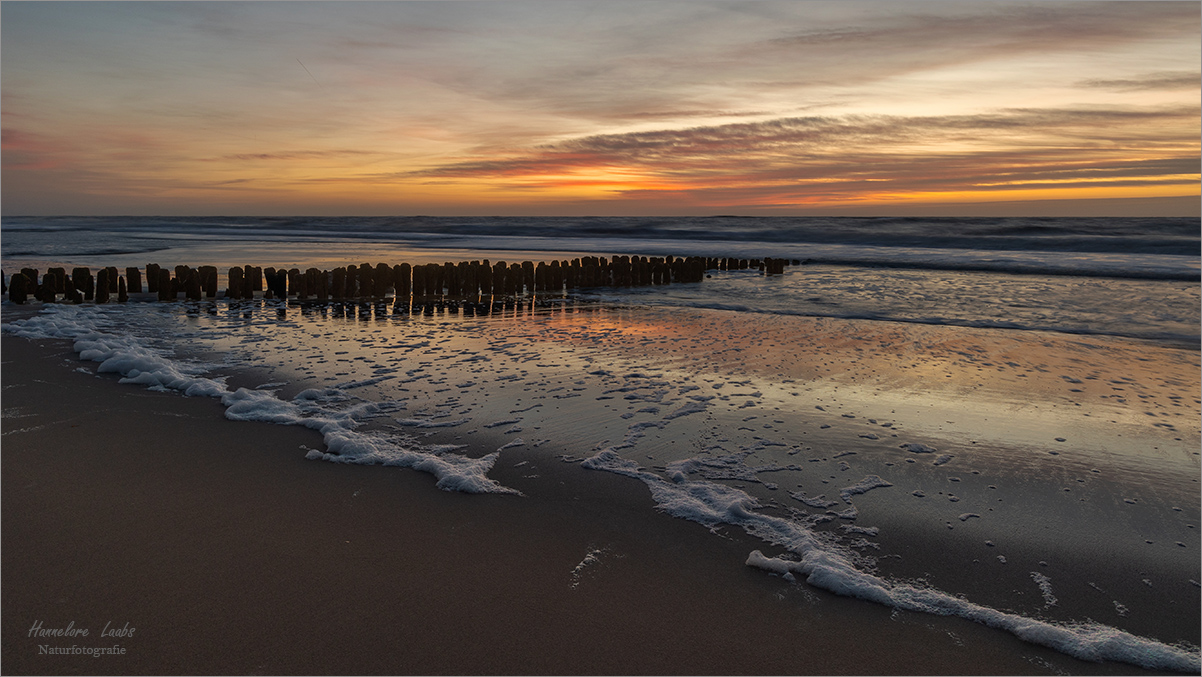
(295, 283)
(402, 280)
(192, 290)
(323, 285)
(338, 283)
(421, 286)
(57, 279)
(70, 293)
(485, 278)
(102, 285)
(166, 289)
(269, 273)
(528, 275)
(367, 281)
(45, 292)
(31, 277)
(514, 279)
(234, 289)
(350, 282)
(208, 280)
(436, 282)
(152, 277)
(86, 280)
(383, 279)
(466, 278)
(133, 280)
(18, 288)
(122, 291)
(451, 275)
(252, 281)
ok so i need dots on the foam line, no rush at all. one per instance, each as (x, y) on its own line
(330, 411)
(826, 566)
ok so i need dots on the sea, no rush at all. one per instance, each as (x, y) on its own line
(989, 418)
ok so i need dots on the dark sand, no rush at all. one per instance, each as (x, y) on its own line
(231, 553)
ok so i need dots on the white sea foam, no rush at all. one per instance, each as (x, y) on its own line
(1045, 588)
(827, 566)
(863, 486)
(330, 411)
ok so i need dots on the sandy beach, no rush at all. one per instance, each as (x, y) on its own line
(230, 552)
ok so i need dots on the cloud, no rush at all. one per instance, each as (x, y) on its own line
(296, 155)
(1151, 81)
(845, 157)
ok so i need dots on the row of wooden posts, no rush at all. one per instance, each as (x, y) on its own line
(463, 280)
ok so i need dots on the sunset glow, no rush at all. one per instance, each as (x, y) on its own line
(601, 108)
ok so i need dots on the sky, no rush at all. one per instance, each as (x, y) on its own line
(755, 107)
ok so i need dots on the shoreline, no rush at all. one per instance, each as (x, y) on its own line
(212, 515)
(228, 557)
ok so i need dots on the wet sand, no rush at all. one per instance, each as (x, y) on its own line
(231, 553)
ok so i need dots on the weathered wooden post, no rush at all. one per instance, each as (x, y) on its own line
(112, 279)
(540, 277)
(528, 275)
(466, 272)
(323, 285)
(18, 288)
(338, 283)
(419, 282)
(152, 277)
(402, 281)
(499, 269)
(57, 279)
(350, 283)
(133, 280)
(269, 292)
(367, 281)
(50, 286)
(102, 285)
(70, 293)
(32, 280)
(208, 280)
(252, 281)
(435, 281)
(383, 278)
(122, 291)
(575, 274)
(234, 289)
(451, 275)
(192, 289)
(514, 279)
(167, 290)
(44, 291)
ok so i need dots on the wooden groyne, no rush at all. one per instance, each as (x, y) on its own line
(461, 281)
